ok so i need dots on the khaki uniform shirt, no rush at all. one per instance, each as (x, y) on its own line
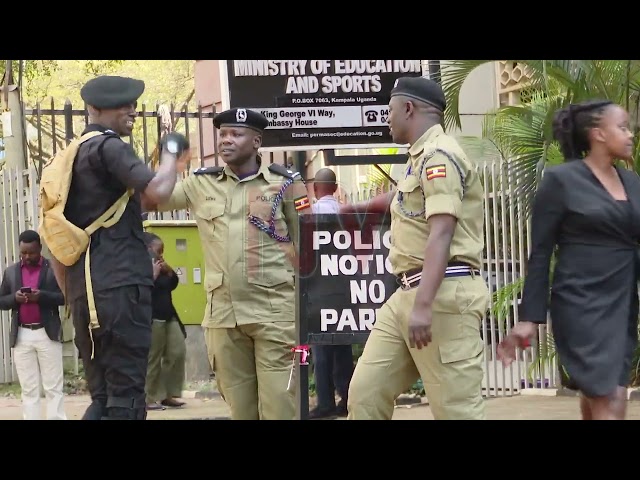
(450, 187)
(249, 276)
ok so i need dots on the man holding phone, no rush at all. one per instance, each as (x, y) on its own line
(30, 290)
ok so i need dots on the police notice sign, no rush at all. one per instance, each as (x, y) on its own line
(345, 276)
(315, 104)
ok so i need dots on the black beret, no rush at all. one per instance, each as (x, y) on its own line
(241, 117)
(111, 91)
(421, 89)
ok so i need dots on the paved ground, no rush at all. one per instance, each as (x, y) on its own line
(523, 407)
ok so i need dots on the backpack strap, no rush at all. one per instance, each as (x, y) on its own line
(75, 144)
(88, 136)
(106, 220)
(109, 218)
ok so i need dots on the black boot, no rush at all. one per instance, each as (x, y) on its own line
(123, 408)
(96, 410)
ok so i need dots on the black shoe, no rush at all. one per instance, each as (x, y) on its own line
(341, 409)
(155, 406)
(322, 413)
(172, 402)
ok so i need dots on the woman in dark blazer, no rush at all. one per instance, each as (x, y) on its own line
(589, 209)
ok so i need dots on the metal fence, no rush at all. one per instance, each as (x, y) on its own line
(507, 240)
(50, 129)
(506, 250)
(18, 212)
(507, 244)
(506, 233)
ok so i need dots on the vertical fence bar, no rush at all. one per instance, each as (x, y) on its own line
(158, 124)
(515, 261)
(39, 127)
(68, 121)
(184, 111)
(522, 257)
(201, 136)
(506, 266)
(215, 137)
(495, 227)
(53, 128)
(172, 114)
(6, 374)
(490, 339)
(145, 141)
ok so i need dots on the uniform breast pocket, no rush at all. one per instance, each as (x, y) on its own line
(410, 199)
(261, 209)
(210, 219)
(264, 211)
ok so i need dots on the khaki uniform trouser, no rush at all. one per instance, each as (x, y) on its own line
(450, 366)
(252, 364)
(167, 356)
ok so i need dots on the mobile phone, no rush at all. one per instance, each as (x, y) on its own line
(25, 289)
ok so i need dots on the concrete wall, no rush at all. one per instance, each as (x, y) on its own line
(478, 96)
(197, 365)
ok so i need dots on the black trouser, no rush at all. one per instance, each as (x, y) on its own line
(116, 376)
(333, 368)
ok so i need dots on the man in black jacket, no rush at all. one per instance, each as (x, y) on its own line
(29, 289)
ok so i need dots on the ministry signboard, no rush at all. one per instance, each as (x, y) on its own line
(317, 104)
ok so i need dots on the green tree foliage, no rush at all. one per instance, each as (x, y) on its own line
(47, 83)
(167, 81)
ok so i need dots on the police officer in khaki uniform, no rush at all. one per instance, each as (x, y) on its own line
(430, 327)
(247, 216)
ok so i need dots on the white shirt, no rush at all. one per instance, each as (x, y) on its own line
(326, 204)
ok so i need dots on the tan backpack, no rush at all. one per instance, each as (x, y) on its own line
(66, 241)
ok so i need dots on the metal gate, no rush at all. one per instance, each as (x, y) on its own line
(507, 243)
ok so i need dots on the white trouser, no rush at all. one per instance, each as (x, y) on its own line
(36, 354)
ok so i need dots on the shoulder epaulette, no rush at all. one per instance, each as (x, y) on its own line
(208, 170)
(282, 170)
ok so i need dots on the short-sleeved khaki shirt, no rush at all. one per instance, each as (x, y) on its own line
(249, 276)
(451, 186)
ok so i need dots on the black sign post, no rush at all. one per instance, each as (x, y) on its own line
(344, 277)
(317, 104)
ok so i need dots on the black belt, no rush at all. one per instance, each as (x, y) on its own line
(411, 278)
(32, 326)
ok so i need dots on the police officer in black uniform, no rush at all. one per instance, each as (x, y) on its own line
(115, 354)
